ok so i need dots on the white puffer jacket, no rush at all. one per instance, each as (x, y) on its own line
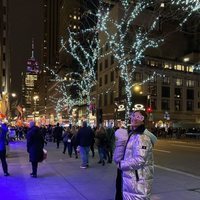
(137, 166)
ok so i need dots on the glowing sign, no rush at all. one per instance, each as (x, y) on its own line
(138, 107)
(121, 107)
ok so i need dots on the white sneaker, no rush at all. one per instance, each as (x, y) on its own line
(83, 167)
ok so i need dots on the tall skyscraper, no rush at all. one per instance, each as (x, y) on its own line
(29, 82)
(4, 59)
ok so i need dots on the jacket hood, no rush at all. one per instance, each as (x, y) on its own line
(151, 136)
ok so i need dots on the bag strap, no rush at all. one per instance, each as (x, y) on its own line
(127, 143)
(136, 171)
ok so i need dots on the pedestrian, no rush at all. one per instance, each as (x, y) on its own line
(100, 138)
(67, 141)
(110, 143)
(93, 142)
(65, 138)
(84, 140)
(50, 136)
(137, 163)
(3, 133)
(35, 144)
(73, 141)
(43, 131)
(58, 131)
(121, 137)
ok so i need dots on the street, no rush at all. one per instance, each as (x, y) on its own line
(178, 155)
(60, 177)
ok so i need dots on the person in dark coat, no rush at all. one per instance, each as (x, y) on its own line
(84, 140)
(66, 138)
(35, 144)
(92, 144)
(73, 139)
(58, 130)
(3, 132)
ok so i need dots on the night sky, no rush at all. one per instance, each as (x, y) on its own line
(25, 22)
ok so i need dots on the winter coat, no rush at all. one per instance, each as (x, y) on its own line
(121, 137)
(35, 144)
(137, 166)
(84, 136)
(58, 130)
(100, 138)
(3, 133)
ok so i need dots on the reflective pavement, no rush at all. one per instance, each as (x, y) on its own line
(60, 177)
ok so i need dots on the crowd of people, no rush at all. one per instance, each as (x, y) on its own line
(130, 150)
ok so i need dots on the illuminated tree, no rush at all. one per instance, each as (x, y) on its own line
(84, 47)
(130, 34)
(133, 31)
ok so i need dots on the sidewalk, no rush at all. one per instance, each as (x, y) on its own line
(60, 178)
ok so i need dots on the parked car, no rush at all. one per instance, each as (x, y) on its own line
(193, 133)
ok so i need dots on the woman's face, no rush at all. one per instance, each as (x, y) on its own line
(137, 119)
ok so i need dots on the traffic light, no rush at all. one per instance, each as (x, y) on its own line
(149, 110)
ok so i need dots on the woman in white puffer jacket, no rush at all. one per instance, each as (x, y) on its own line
(137, 162)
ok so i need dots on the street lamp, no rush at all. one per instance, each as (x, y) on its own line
(137, 89)
(35, 98)
(13, 95)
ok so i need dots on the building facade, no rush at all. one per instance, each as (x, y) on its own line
(172, 96)
(4, 61)
(58, 17)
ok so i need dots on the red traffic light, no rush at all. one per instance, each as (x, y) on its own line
(149, 110)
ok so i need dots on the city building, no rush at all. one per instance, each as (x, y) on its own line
(58, 16)
(5, 94)
(172, 97)
(30, 97)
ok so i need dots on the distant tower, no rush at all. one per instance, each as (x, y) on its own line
(30, 77)
(32, 64)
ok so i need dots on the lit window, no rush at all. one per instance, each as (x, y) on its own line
(179, 67)
(186, 59)
(75, 17)
(179, 82)
(190, 83)
(162, 5)
(152, 63)
(177, 105)
(189, 69)
(166, 66)
(166, 80)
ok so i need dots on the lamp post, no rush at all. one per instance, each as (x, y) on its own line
(35, 98)
(13, 95)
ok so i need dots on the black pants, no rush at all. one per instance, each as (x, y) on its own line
(118, 194)
(109, 153)
(3, 161)
(65, 146)
(34, 167)
(69, 148)
(58, 143)
(75, 150)
(92, 149)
